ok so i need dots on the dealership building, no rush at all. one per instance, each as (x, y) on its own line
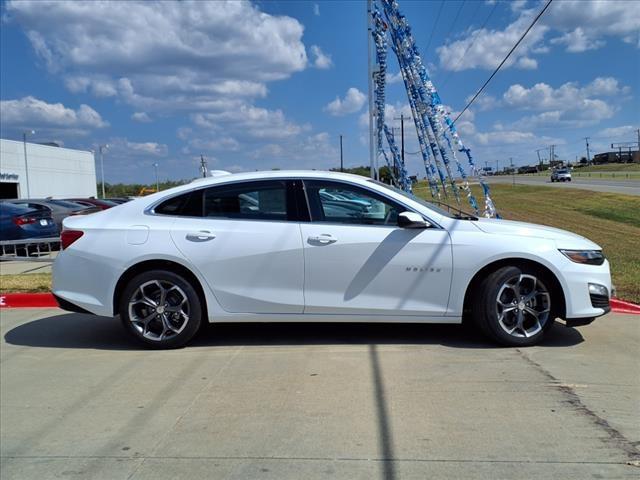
(33, 170)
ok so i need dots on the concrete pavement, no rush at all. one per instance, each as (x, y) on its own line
(628, 187)
(79, 399)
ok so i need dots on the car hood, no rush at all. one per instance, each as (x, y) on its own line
(562, 238)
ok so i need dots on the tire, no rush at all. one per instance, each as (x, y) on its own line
(514, 319)
(168, 324)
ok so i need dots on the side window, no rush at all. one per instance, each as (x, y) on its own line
(250, 201)
(336, 202)
(185, 205)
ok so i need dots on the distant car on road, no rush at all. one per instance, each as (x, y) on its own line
(296, 246)
(102, 204)
(18, 222)
(561, 175)
(58, 209)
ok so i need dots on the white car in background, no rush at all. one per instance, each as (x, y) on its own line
(272, 247)
(561, 175)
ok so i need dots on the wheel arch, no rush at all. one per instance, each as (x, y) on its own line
(555, 286)
(159, 264)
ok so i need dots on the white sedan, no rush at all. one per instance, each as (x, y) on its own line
(272, 247)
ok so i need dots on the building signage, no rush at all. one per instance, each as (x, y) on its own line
(9, 176)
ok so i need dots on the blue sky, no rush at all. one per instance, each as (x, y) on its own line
(273, 84)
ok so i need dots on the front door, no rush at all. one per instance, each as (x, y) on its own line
(246, 246)
(358, 261)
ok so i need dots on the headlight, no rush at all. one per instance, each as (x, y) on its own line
(590, 257)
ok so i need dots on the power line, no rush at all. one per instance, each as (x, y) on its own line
(495, 5)
(535, 20)
(435, 24)
(453, 24)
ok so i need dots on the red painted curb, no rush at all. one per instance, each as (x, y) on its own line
(620, 306)
(46, 300)
(27, 300)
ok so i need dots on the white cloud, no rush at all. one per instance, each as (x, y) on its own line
(219, 143)
(595, 19)
(142, 117)
(250, 120)
(164, 55)
(577, 41)
(484, 48)
(351, 103)
(628, 131)
(148, 148)
(49, 118)
(568, 105)
(394, 78)
(577, 25)
(321, 59)
(316, 9)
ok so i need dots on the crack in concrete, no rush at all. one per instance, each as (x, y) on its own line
(614, 436)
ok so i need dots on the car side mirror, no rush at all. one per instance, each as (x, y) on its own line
(412, 220)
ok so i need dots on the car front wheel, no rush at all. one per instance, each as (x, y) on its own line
(514, 306)
(161, 309)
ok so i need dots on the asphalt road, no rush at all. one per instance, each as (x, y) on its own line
(629, 187)
(80, 400)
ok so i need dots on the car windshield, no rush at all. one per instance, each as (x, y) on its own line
(13, 209)
(563, 170)
(415, 198)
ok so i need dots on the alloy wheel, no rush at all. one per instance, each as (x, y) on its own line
(523, 306)
(159, 310)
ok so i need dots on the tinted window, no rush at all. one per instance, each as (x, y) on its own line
(187, 205)
(342, 203)
(13, 209)
(250, 201)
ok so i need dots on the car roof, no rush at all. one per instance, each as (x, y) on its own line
(269, 174)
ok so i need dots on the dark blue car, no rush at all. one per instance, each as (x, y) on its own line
(19, 223)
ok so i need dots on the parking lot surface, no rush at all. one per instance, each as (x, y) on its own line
(81, 400)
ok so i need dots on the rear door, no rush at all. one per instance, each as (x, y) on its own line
(246, 243)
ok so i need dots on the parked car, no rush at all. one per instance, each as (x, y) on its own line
(561, 175)
(58, 209)
(200, 253)
(18, 222)
(102, 204)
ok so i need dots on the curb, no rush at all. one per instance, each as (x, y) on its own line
(27, 300)
(46, 300)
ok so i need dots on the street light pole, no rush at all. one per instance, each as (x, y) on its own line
(26, 163)
(513, 172)
(341, 162)
(101, 149)
(157, 182)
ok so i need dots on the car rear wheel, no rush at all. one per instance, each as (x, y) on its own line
(161, 309)
(514, 306)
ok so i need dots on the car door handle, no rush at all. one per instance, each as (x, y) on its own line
(201, 236)
(323, 239)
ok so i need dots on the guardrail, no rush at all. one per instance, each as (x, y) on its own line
(30, 249)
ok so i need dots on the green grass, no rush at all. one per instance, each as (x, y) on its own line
(611, 220)
(611, 167)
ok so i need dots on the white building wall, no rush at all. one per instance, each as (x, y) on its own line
(53, 171)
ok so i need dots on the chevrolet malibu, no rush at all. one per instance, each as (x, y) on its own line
(308, 246)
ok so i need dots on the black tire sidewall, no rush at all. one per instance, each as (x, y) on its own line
(195, 308)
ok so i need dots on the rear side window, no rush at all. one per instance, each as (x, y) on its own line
(249, 201)
(186, 205)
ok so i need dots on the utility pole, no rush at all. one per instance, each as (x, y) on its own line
(203, 166)
(341, 163)
(539, 159)
(402, 136)
(513, 172)
(26, 164)
(101, 150)
(157, 182)
(496, 167)
(586, 140)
